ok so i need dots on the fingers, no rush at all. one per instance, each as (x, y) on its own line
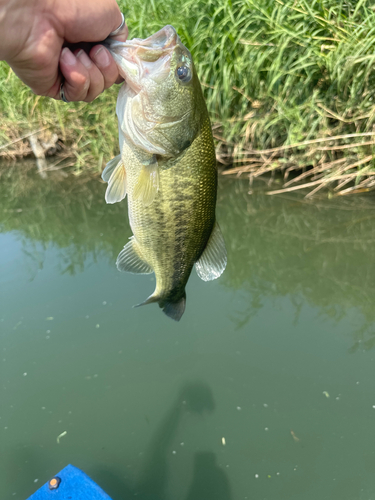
(86, 20)
(122, 35)
(105, 63)
(76, 75)
(86, 77)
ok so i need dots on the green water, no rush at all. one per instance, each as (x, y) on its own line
(283, 341)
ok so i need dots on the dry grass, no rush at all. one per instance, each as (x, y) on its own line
(340, 163)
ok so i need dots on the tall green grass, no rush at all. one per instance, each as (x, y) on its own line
(274, 72)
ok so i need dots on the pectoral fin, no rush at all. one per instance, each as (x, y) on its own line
(131, 261)
(213, 260)
(147, 185)
(110, 167)
(115, 174)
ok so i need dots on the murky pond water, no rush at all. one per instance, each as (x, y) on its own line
(264, 390)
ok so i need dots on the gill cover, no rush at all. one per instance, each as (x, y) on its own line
(158, 107)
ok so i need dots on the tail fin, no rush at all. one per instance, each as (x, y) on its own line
(175, 309)
(172, 309)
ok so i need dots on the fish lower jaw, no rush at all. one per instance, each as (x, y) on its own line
(132, 86)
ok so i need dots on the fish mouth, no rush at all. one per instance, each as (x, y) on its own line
(149, 57)
(165, 38)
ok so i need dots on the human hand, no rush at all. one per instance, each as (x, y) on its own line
(33, 38)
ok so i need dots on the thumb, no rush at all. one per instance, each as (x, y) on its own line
(89, 21)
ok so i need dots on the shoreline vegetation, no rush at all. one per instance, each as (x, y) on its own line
(289, 84)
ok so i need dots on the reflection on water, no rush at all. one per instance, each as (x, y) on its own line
(280, 347)
(208, 478)
(320, 252)
(315, 251)
(68, 212)
(154, 477)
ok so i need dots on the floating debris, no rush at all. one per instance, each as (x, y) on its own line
(296, 439)
(256, 476)
(60, 436)
(50, 318)
(223, 442)
(326, 394)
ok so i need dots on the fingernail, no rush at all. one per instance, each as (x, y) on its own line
(68, 57)
(101, 58)
(84, 58)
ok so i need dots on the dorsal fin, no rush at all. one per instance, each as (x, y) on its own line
(129, 259)
(213, 260)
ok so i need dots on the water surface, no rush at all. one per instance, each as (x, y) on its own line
(275, 359)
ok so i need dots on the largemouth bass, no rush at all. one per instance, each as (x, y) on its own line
(167, 167)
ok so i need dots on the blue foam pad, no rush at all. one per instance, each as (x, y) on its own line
(74, 485)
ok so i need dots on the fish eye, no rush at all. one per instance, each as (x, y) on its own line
(183, 74)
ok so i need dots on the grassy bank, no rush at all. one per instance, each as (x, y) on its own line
(281, 78)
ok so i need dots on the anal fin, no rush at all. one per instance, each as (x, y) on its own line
(129, 259)
(213, 260)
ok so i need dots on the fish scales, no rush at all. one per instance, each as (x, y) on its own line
(167, 168)
(173, 234)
